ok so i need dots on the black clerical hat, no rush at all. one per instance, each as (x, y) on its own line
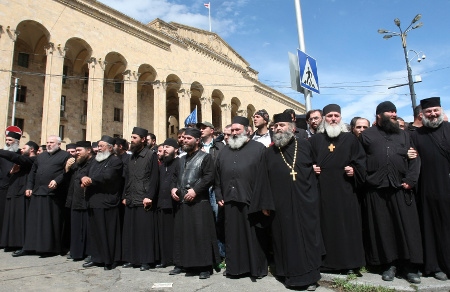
(108, 139)
(194, 132)
(385, 106)
(240, 120)
(282, 118)
(71, 146)
(33, 145)
(84, 144)
(430, 102)
(123, 142)
(140, 131)
(171, 142)
(331, 108)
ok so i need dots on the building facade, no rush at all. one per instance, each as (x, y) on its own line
(85, 69)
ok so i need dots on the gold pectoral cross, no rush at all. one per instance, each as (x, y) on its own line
(293, 173)
(331, 147)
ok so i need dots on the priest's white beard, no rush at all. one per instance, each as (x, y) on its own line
(282, 139)
(332, 131)
(433, 123)
(238, 141)
(54, 148)
(102, 156)
(13, 147)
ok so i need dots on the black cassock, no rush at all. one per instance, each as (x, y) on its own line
(296, 236)
(434, 194)
(340, 213)
(241, 182)
(5, 167)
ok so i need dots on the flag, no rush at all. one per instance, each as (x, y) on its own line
(192, 118)
(207, 5)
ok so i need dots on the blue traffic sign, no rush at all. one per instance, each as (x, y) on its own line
(308, 72)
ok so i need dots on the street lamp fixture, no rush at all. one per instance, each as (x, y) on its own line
(403, 34)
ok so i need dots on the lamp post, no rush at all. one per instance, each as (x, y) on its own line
(403, 34)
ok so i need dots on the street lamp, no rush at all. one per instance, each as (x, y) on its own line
(403, 34)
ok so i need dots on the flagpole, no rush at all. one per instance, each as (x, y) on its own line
(209, 15)
(196, 118)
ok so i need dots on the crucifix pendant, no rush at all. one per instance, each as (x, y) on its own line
(293, 173)
(331, 147)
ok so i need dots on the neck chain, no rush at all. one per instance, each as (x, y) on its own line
(293, 173)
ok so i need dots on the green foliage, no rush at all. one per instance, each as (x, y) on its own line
(344, 285)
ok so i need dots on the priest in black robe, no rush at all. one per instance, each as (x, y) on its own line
(165, 203)
(45, 185)
(432, 141)
(296, 236)
(241, 187)
(103, 186)
(16, 205)
(140, 236)
(392, 238)
(195, 241)
(339, 162)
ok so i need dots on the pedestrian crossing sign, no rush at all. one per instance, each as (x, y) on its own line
(308, 72)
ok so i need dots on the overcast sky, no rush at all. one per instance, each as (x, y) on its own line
(355, 64)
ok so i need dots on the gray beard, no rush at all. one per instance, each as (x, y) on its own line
(53, 149)
(432, 124)
(102, 156)
(282, 139)
(332, 131)
(238, 142)
(13, 148)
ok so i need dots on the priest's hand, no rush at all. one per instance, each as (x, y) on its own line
(174, 194)
(266, 212)
(28, 193)
(14, 169)
(348, 170)
(52, 185)
(412, 153)
(85, 181)
(124, 202)
(406, 186)
(220, 203)
(147, 203)
(316, 169)
(69, 163)
(190, 195)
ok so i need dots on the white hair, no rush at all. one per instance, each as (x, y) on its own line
(58, 139)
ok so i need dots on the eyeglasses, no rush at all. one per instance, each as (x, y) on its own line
(314, 119)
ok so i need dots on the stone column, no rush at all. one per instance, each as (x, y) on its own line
(129, 104)
(206, 104)
(7, 41)
(226, 114)
(159, 112)
(95, 101)
(52, 92)
(184, 106)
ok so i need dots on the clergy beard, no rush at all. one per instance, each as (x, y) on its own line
(13, 147)
(332, 131)
(54, 149)
(237, 141)
(81, 159)
(136, 147)
(436, 122)
(387, 125)
(169, 157)
(102, 156)
(282, 139)
(188, 148)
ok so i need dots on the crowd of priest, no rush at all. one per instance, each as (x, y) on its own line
(330, 198)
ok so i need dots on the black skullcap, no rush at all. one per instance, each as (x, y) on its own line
(282, 118)
(94, 144)
(71, 146)
(240, 120)
(33, 145)
(430, 102)
(171, 142)
(108, 139)
(386, 106)
(84, 144)
(123, 142)
(331, 108)
(140, 131)
(194, 132)
(264, 114)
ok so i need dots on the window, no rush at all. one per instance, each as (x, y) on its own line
(19, 123)
(85, 107)
(117, 115)
(23, 60)
(117, 87)
(63, 107)
(86, 77)
(83, 134)
(65, 70)
(22, 94)
(61, 131)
